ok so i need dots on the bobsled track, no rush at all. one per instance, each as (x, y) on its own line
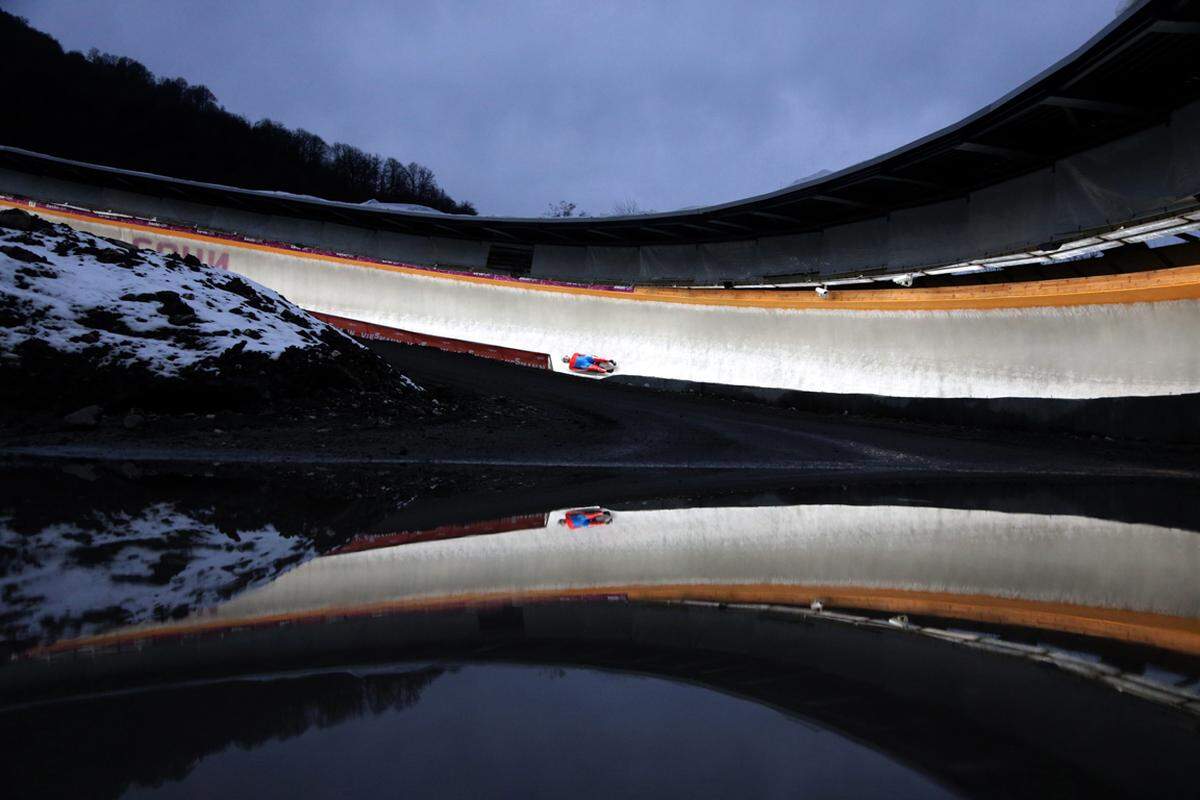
(999, 265)
(1107, 336)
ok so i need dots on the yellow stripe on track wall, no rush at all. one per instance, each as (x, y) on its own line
(1177, 283)
(1078, 338)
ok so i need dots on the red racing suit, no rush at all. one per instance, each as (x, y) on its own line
(581, 362)
(586, 519)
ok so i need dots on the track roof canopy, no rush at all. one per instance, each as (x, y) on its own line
(1128, 77)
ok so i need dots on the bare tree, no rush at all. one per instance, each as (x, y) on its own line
(424, 186)
(359, 170)
(311, 149)
(562, 209)
(394, 179)
(629, 207)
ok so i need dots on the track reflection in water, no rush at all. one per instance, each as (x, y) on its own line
(1044, 570)
(911, 649)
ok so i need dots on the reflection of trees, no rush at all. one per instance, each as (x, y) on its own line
(100, 748)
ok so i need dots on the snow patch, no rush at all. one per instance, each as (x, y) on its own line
(75, 291)
(410, 207)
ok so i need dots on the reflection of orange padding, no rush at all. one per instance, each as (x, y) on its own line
(505, 524)
(368, 330)
(1181, 634)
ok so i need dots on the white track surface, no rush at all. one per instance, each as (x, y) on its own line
(1061, 559)
(1116, 350)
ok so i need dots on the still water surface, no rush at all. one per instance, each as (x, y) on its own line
(189, 632)
(553, 733)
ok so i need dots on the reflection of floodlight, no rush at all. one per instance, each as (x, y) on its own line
(905, 280)
(822, 291)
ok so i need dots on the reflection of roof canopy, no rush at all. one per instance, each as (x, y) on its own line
(1126, 78)
(936, 702)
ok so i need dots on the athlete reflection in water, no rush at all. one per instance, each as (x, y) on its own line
(586, 518)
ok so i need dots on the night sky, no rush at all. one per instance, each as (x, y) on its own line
(517, 105)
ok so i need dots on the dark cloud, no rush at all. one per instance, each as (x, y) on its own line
(515, 105)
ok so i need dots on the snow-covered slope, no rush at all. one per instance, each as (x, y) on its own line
(78, 291)
(105, 306)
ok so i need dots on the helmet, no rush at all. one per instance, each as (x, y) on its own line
(566, 359)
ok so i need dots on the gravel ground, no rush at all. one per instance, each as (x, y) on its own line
(493, 413)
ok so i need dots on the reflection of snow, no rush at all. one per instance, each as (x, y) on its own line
(70, 578)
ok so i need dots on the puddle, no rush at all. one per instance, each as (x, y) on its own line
(336, 632)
